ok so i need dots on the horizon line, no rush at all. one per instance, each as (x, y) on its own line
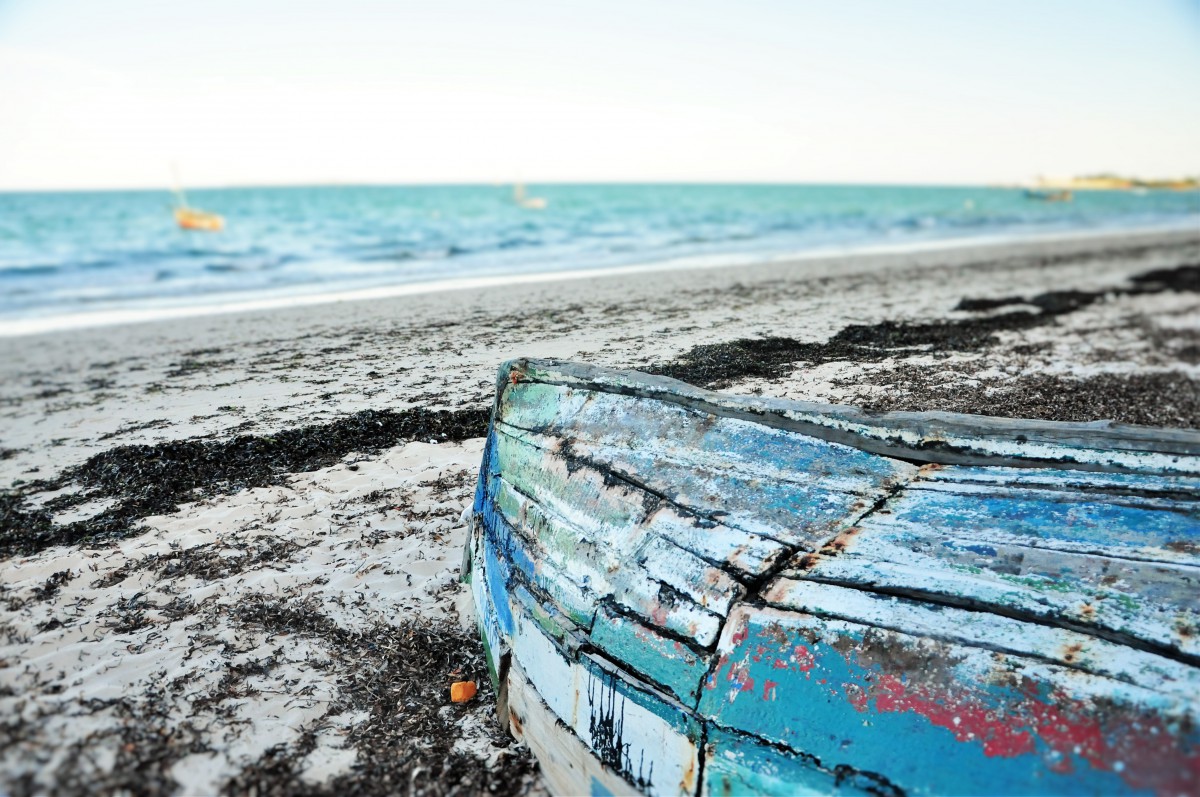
(508, 183)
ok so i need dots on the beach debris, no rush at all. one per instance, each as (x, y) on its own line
(462, 691)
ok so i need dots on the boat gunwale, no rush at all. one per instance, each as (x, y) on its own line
(926, 438)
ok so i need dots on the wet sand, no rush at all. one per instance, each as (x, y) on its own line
(229, 545)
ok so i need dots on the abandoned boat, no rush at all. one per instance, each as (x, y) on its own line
(687, 592)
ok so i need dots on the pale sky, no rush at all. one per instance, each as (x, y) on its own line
(107, 93)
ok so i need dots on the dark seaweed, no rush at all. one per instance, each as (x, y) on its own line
(155, 479)
(1153, 399)
(147, 747)
(397, 675)
(720, 364)
(1181, 279)
(391, 673)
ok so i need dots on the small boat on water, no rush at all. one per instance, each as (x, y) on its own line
(522, 199)
(189, 218)
(1049, 196)
(193, 219)
(687, 592)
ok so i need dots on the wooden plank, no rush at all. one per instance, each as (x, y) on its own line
(1065, 480)
(522, 560)
(744, 554)
(967, 719)
(735, 763)
(495, 640)
(1155, 603)
(603, 506)
(568, 766)
(653, 428)
(642, 735)
(665, 661)
(944, 438)
(1119, 557)
(1131, 526)
(597, 570)
(770, 482)
(547, 615)
(994, 632)
(588, 527)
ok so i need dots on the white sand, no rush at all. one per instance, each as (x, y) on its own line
(362, 556)
(382, 543)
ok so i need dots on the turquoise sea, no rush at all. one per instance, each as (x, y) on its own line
(67, 254)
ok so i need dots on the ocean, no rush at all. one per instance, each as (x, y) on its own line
(68, 258)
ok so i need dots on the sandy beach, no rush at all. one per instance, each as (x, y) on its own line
(230, 544)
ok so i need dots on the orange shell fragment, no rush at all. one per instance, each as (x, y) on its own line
(462, 691)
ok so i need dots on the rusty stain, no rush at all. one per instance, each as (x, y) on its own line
(1070, 653)
(1185, 629)
(841, 542)
(516, 722)
(688, 781)
(808, 561)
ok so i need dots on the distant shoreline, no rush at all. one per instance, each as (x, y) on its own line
(37, 325)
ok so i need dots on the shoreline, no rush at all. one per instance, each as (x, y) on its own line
(229, 544)
(36, 325)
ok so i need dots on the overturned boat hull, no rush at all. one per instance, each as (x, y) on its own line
(686, 592)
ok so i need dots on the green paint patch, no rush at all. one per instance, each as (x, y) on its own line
(1040, 583)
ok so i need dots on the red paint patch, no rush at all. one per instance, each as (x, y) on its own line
(1139, 746)
(804, 659)
(769, 689)
(966, 718)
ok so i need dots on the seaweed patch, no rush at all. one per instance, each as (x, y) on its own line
(150, 480)
(718, 365)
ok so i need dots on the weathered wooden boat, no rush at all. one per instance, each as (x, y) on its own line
(686, 592)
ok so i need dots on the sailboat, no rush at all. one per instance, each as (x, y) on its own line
(189, 218)
(527, 202)
(193, 219)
